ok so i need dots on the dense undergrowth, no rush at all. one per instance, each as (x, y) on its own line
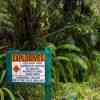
(73, 37)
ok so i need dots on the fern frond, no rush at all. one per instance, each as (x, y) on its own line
(69, 47)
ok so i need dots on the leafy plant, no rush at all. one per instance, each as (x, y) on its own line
(76, 91)
(69, 62)
(3, 90)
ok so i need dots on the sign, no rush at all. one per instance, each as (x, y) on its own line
(29, 66)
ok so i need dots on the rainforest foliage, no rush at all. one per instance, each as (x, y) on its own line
(71, 29)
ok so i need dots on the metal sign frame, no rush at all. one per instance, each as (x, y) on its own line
(48, 67)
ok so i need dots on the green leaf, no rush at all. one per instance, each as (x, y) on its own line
(2, 76)
(10, 93)
(69, 47)
(80, 61)
(52, 48)
(2, 55)
(62, 58)
(1, 94)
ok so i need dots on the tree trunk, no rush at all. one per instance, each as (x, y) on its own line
(26, 23)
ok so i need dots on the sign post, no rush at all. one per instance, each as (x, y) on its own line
(30, 67)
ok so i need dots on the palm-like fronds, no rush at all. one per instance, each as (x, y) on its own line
(69, 61)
